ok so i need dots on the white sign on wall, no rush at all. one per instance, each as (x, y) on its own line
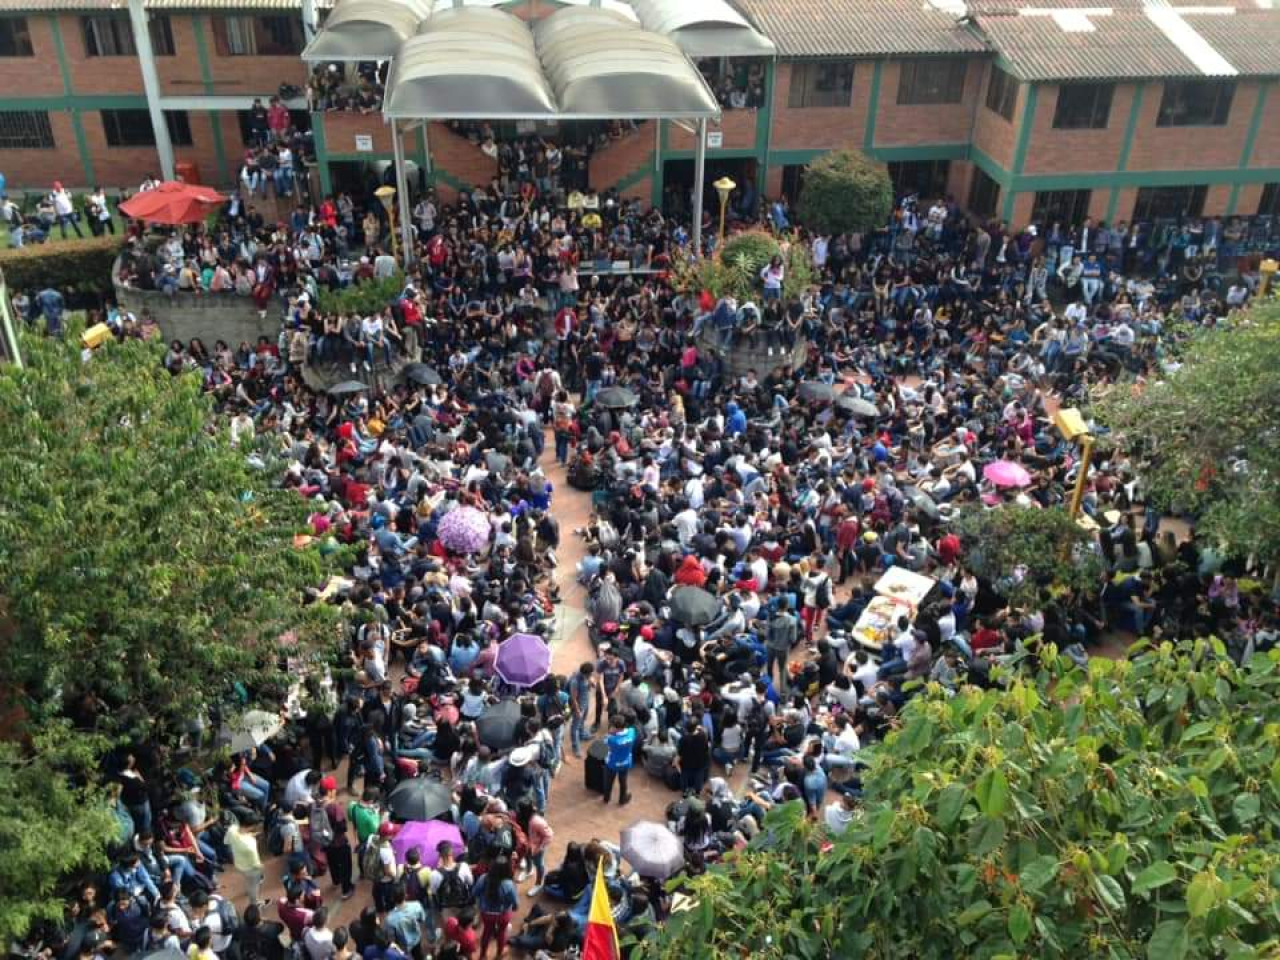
(715, 139)
(364, 143)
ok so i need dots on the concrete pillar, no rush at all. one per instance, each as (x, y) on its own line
(310, 21)
(699, 168)
(151, 84)
(402, 196)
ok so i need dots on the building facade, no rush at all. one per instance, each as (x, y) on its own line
(1049, 111)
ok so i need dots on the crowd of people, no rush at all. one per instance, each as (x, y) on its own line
(742, 520)
(342, 86)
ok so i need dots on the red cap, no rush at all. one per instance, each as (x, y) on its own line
(647, 632)
(386, 829)
(329, 784)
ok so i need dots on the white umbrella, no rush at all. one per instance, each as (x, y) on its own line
(251, 729)
(652, 849)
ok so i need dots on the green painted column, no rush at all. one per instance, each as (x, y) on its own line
(764, 125)
(1255, 123)
(1020, 149)
(656, 185)
(322, 153)
(206, 81)
(68, 89)
(1126, 145)
(873, 107)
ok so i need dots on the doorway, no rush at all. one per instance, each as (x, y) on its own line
(677, 188)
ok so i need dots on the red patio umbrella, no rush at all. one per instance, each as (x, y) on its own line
(172, 202)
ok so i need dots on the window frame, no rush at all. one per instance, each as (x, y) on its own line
(21, 30)
(946, 88)
(1073, 203)
(981, 178)
(1269, 201)
(937, 172)
(263, 36)
(801, 92)
(39, 119)
(1093, 116)
(158, 25)
(1219, 115)
(1002, 92)
(1192, 208)
(178, 122)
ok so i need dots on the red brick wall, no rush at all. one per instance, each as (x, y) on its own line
(459, 157)
(1068, 151)
(1022, 204)
(1266, 148)
(36, 169)
(959, 175)
(1249, 198)
(622, 157)
(641, 190)
(1216, 199)
(97, 75)
(1191, 148)
(907, 125)
(250, 76)
(37, 75)
(1124, 204)
(341, 128)
(773, 181)
(180, 74)
(737, 126)
(1099, 200)
(819, 127)
(201, 151)
(118, 167)
(992, 133)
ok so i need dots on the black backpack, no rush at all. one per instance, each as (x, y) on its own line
(758, 719)
(453, 890)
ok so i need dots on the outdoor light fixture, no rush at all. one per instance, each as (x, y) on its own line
(724, 186)
(387, 197)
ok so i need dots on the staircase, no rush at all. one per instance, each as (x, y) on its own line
(625, 164)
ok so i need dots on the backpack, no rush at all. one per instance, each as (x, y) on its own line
(453, 890)
(823, 598)
(370, 862)
(321, 829)
(546, 754)
(414, 888)
(275, 835)
(758, 718)
(227, 916)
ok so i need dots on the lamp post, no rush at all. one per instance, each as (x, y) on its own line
(1072, 427)
(724, 187)
(387, 197)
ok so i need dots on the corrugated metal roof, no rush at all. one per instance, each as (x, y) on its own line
(859, 28)
(1075, 40)
(70, 6)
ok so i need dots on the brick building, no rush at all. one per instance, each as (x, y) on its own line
(1046, 109)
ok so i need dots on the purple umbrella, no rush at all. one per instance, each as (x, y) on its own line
(426, 836)
(523, 659)
(464, 530)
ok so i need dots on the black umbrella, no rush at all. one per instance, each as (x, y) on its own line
(616, 398)
(815, 391)
(420, 798)
(693, 606)
(922, 502)
(496, 727)
(496, 462)
(422, 374)
(856, 405)
(347, 387)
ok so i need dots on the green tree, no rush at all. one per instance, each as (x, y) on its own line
(1126, 811)
(1027, 553)
(1204, 436)
(845, 190)
(145, 565)
(735, 272)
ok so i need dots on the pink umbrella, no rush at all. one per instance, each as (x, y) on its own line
(426, 836)
(523, 659)
(1006, 473)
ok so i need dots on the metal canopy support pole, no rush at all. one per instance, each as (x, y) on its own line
(699, 165)
(402, 196)
(151, 85)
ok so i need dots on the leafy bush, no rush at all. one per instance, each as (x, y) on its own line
(845, 191)
(1126, 811)
(735, 272)
(81, 267)
(364, 298)
(1027, 553)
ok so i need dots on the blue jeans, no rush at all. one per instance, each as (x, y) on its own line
(284, 180)
(562, 447)
(256, 790)
(64, 219)
(578, 732)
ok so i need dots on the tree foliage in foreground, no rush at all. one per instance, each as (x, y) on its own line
(1186, 430)
(1026, 552)
(143, 562)
(845, 190)
(1129, 811)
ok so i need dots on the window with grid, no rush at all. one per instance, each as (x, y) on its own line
(15, 37)
(1083, 106)
(821, 83)
(1196, 103)
(931, 81)
(25, 130)
(1161, 203)
(245, 35)
(111, 35)
(132, 128)
(1269, 205)
(1067, 207)
(925, 178)
(1002, 92)
(984, 194)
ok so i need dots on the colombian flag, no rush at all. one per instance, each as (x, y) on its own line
(601, 940)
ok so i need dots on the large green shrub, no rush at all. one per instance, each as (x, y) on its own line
(364, 298)
(735, 272)
(1127, 811)
(80, 267)
(845, 191)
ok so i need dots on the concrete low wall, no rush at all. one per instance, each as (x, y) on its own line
(744, 357)
(209, 316)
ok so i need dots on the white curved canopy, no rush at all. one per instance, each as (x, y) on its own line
(366, 29)
(703, 28)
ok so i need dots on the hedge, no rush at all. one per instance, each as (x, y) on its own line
(82, 267)
(364, 298)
